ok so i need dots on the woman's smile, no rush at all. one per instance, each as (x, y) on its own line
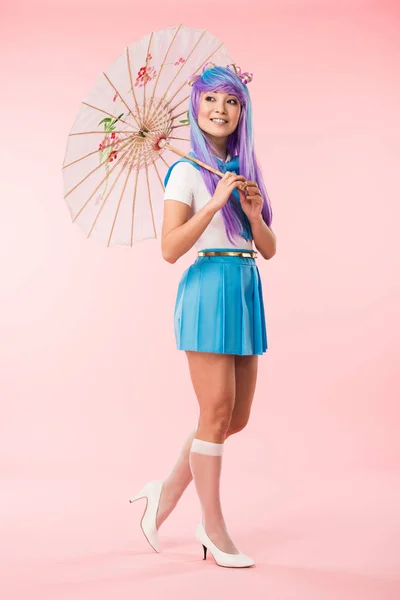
(218, 114)
(219, 121)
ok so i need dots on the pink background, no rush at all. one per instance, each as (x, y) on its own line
(96, 400)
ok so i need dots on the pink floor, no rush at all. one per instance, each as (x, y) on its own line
(322, 538)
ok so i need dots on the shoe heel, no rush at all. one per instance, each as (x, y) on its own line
(204, 551)
(138, 496)
(152, 492)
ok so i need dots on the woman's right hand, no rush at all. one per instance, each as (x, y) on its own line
(224, 189)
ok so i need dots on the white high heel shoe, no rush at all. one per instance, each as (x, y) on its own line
(223, 559)
(152, 493)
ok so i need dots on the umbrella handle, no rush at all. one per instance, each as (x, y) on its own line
(242, 186)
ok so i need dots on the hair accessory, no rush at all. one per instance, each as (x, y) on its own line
(194, 78)
(245, 77)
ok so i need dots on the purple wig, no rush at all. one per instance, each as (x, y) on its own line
(240, 143)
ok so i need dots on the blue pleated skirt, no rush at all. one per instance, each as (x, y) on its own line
(219, 306)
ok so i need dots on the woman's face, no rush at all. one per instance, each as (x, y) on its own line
(215, 107)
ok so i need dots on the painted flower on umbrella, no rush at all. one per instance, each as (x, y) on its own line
(109, 145)
(145, 74)
(178, 62)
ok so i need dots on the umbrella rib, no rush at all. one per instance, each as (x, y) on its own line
(95, 169)
(106, 198)
(199, 67)
(158, 175)
(122, 195)
(145, 78)
(164, 161)
(122, 100)
(133, 91)
(162, 65)
(177, 73)
(86, 156)
(103, 132)
(155, 121)
(180, 114)
(100, 184)
(149, 197)
(176, 105)
(147, 155)
(171, 137)
(134, 203)
(106, 113)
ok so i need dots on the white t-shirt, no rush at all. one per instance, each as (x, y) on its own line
(186, 185)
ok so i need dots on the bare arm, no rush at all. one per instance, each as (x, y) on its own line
(179, 233)
(264, 238)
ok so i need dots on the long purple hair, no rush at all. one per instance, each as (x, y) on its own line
(240, 143)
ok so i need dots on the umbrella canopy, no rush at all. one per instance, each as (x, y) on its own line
(129, 130)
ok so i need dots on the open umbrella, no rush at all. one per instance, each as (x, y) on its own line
(129, 130)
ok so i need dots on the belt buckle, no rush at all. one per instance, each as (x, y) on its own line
(249, 254)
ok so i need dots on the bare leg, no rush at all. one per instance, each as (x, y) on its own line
(181, 475)
(213, 378)
(176, 483)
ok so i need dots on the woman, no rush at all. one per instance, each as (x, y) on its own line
(219, 313)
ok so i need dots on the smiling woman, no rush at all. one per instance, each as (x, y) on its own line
(218, 117)
(219, 312)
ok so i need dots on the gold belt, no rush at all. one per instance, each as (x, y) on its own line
(248, 254)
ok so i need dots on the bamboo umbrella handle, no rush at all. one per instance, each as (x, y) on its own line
(242, 186)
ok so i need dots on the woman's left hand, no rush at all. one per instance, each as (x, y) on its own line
(251, 203)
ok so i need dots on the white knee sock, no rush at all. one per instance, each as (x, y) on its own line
(205, 462)
(209, 448)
